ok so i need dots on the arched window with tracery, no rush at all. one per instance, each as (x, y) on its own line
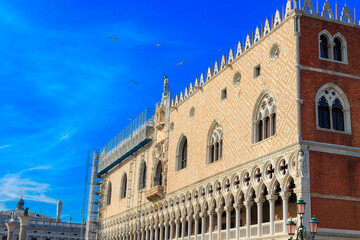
(158, 177)
(142, 176)
(109, 190)
(264, 119)
(332, 109)
(123, 186)
(215, 144)
(324, 46)
(182, 153)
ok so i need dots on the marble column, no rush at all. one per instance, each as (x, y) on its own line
(146, 233)
(156, 232)
(24, 222)
(166, 224)
(259, 202)
(183, 222)
(219, 212)
(237, 220)
(151, 233)
(272, 199)
(228, 210)
(211, 224)
(10, 230)
(171, 230)
(248, 205)
(203, 225)
(189, 219)
(161, 226)
(196, 226)
(177, 222)
(285, 197)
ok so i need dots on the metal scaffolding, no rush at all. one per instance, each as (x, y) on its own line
(92, 225)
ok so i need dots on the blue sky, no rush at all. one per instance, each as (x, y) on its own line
(66, 87)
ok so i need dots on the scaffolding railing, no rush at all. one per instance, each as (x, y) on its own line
(146, 118)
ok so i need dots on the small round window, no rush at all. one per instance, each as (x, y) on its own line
(237, 78)
(274, 52)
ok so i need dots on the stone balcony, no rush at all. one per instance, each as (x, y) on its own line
(155, 193)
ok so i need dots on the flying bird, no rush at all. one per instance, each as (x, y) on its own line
(134, 82)
(157, 44)
(180, 63)
(113, 38)
(219, 50)
(129, 119)
(69, 146)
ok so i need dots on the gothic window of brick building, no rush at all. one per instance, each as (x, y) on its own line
(109, 189)
(332, 47)
(142, 176)
(264, 125)
(123, 186)
(215, 144)
(324, 46)
(333, 110)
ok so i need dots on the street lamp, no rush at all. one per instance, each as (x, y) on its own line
(301, 231)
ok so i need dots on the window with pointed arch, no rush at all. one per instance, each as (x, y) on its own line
(158, 177)
(332, 109)
(332, 47)
(264, 125)
(109, 190)
(215, 144)
(324, 46)
(123, 186)
(182, 153)
(142, 176)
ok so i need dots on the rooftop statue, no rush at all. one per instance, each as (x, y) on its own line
(166, 85)
(26, 212)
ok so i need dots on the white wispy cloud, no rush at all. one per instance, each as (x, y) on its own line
(5, 146)
(66, 136)
(12, 184)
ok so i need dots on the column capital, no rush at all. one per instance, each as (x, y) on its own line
(260, 200)
(272, 198)
(248, 204)
(189, 218)
(210, 212)
(238, 206)
(219, 210)
(203, 214)
(176, 221)
(183, 219)
(285, 195)
(228, 208)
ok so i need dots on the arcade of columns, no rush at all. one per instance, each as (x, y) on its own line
(247, 202)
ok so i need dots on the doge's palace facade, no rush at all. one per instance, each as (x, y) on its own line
(274, 121)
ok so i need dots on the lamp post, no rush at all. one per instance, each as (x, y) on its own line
(301, 231)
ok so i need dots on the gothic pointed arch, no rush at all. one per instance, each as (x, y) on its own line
(142, 175)
(181, 153)
(214, 144)
(123, 186)
(264, 117)
(109, 191)
(332, 109)
(339, 48)
(324, 44)
(158, 174)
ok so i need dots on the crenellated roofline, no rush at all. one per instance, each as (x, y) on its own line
(292, 7)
